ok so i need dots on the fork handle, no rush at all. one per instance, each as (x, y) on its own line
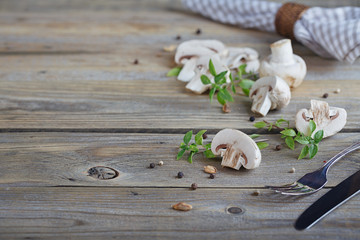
(338, 156)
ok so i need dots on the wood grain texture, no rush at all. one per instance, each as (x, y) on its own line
(133, 213)
(78, 72)
(55, 159)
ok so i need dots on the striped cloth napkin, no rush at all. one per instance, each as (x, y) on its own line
(329, 32)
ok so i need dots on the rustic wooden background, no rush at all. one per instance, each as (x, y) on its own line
(71, 99)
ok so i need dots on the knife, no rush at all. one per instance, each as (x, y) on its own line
(330, 201)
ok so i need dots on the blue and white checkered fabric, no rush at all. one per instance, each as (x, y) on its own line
(329, 32)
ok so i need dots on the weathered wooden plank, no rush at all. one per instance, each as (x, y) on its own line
(43, 103)
(53, 159)
(133, 213)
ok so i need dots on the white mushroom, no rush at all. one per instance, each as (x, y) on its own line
(195, 85)
(329, 119)
(283, 63)
(236, 148)
(239, 56)
(269, 93)
(188, 53)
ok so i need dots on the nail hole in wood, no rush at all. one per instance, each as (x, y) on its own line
(235, 210)
(103, 173)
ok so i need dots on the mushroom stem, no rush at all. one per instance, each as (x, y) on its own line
(262, 102)
(187, 72)
(282, 52)
(232, 158)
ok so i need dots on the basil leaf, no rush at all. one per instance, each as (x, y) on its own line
(220, 99)
(209, 154)
(212, 68)
(180, 154)
(318, 136)
(174, 72)
(288, 132)
(246, 91)
(190, 158)
(199, 137)
(313, 149)
(219, 77)
(254, 136)
(304, 152)
(290, 142)
(301, 140)
(187, 137)
(262, 145)
(312, 126)
(260, 124)
(205, 80)
(246, 83)
(211, 94)
(226, 95)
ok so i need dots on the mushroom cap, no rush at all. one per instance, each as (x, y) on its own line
(240, 147)
(197, 48)
(329, 119)
(279, 91)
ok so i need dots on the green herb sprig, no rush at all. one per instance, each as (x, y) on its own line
(198, 144)
(194, 147)
(291, 136)
(244, 80)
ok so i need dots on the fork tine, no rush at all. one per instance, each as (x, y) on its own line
(297, 193)
(290, 185)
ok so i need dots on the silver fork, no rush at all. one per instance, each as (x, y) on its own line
(314, 181)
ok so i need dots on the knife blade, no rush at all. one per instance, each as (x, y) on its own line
(330, 201)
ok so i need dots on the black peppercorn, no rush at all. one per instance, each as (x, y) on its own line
(136, 62)
(212, 176)
(152, 165)
(194, 186)
(180, 175)
(325, 95)
(178, 37)
(252, 118)
(278, 147)
(204, 136)
(198, 31)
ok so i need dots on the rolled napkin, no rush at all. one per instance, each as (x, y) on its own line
(329, 32)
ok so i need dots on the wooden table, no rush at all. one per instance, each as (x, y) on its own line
(71, 99)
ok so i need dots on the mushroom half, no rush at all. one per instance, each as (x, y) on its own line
(236, 148)
(283, 63)
(269, 93)
(239, 56)
(195, 85)
(329, 119)
(189, 52)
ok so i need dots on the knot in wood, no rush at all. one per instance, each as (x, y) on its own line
(103, 173)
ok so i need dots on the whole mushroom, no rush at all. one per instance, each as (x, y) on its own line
(236, 148)
(283, 63)
(269, 93)
(329, 119)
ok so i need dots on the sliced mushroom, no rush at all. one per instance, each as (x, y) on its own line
(269, 93)
(189, 52)
(329, 119)
(239, 56)
(195, 85)
(236, 148)
(283, 63)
